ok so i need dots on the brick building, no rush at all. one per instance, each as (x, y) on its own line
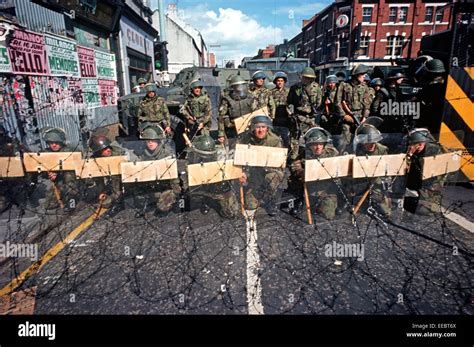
(374, 32)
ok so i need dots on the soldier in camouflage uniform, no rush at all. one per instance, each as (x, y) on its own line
(367, 144)
(393, 123)
(305, 98)
(282, 121)
(330, 120)
(107, 189)
(380, 94)
(317, 146)
(353, 103)
(234, 104)
(221, 194)
(8, 148)
(261, 183)
(63, 182)
(163, 193)
(261, 95)
(421, 144)
(153, 109)
(432, 96)
(197, 110)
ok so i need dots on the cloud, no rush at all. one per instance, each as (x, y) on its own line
(306, 10)
(236, 33)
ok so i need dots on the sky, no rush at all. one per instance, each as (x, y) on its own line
(242, 27)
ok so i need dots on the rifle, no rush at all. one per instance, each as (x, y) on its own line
(349, 112)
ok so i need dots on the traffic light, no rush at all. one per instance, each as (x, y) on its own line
(161, 52)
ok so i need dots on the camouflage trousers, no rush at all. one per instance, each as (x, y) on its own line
(304, 123)
(66, 186)
(162, 197)
(430, 200)
(377, 197)
(325, 204)
(261, 188)
(345, 139)
(226, 202)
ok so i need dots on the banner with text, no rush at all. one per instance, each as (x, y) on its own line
(90, 91)
(27, 53)
(106, 68)
(86, 62)
(108, 93)
(62, 56)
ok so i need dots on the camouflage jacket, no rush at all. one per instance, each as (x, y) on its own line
(305, 99)
(379, 150)
(328, 104)
(280, 96)
(263, 97)
(198, 108)
(356, 96)
(230, 109)
(111, 185)
(154, 110)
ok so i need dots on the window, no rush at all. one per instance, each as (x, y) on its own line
(439, 16)
(429, 14)
(403, 14)
(364, 45)
(367, 14)
(392, 14)
(394, 46)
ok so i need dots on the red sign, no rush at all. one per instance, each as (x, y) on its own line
(107, 92)
(27, 53)
(86, 62)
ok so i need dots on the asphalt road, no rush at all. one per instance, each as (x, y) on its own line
(188, 263)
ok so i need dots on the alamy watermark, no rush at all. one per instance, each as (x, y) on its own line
(344, 250)
(403, 108)
(19, 250)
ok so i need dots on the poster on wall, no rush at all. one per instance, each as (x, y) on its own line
(27, 53)
(62, 56)
(5, 65)
(106, 67)
(86, 62)
(107, 91)
(90, 92)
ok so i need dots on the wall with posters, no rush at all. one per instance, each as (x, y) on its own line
(49, 80)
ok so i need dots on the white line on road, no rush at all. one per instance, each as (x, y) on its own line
(254, 287)
(460, 220)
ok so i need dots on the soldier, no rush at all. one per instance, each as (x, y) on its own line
(380, 95)
(198, 110)
(317, 146)
(432, 96)
(353, 103)
(106, 189)
(341, 76)
(421, 144)
(262, 183)
(202, 151)
(261, 95)
(305, 98)
(330, 119)
(234, 104)
(282, 121)
(141, 83)
(153, 109)
(163, 193)
(8, 148)
(64, 185)
(367, 144)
